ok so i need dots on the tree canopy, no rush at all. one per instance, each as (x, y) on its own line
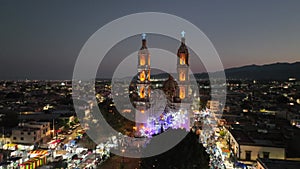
(188, 154)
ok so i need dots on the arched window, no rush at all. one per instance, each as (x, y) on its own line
(142, 60)
(149, 91)
(182, 92)
(142, 92)
(182, 59)
(182, 76)
(149, 75)
(142, 76)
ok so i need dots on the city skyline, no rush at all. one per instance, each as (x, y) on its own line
(150, 84)
(42, 40)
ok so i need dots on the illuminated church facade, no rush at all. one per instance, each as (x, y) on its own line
(183, 69)
(177, 111)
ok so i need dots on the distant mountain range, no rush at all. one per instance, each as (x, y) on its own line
(276, 71)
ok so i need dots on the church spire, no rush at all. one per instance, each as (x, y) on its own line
(144, 42)
(182, 37)
(183, 52)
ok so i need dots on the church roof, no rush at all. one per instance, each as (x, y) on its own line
(170, 84)
(183, 49)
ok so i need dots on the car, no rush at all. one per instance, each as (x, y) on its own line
(62, 138)
(58, 158)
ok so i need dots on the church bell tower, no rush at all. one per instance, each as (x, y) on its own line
(183, 69)
(142, 104)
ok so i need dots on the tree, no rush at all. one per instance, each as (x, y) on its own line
(9, 119)
(76, 120)
(222, 133)
(188, 154)
(66, 127)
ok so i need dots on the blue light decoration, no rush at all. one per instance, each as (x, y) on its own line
(178, 119)
(166, 120)
(169, 119)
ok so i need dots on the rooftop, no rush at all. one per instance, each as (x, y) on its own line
(257, 139)
(278, 164)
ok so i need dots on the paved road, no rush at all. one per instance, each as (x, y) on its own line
(115, 162)
(72, 135)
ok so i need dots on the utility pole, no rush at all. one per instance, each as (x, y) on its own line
(53, 127)
(122, 164)
(3, 141)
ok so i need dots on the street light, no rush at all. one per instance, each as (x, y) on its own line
(95, 153)
(122, 164)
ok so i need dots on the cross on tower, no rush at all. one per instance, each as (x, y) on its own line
(182, 34)
(143, 36)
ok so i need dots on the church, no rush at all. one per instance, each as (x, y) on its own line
(176, 113)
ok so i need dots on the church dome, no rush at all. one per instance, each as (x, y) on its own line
(170, 87)
(170, 83)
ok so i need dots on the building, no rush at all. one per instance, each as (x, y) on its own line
(276, 164)
(142, 103)
(177, 111)
(213, 105)
(184, 93)
(5, 140)
(248, 148)
(30, 133)
(183, 69)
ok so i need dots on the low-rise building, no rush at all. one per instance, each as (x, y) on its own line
(276, 164)
(30, 133)
(213, 105)
(248, 149)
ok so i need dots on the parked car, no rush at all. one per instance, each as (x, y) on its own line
(58, 158)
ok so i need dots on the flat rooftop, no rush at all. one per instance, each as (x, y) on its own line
(256, 139)
(278, 164)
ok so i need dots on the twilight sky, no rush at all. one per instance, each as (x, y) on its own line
(42, 39)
